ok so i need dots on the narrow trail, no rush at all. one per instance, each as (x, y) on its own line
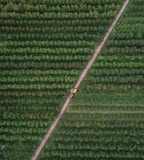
(77, 84)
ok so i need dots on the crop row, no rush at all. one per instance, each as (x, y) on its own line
(107, 99)
(118, 79)
(105, 108)
(31, 93)
(102, 124)
(28, 101)
(123, 43)
(127, 36)
(47, 51)
(62, 15)
(125, 50)
(65, 29)
(70, 132)
(44, 58)
(119, 64)
(52, 36)
(31, 108)
(117, 71)
(38, 86)
(30, 123)
(54, 22)
(34, 43)
(39, 72)
(44, 65)
(36, 79)
(13, 7)
(69, 2)
(94, 137)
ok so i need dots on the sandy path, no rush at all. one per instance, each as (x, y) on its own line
(86, 69)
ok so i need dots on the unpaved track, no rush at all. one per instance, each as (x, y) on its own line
(86, 69)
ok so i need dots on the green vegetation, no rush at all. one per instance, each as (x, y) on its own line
(105, 120)
(47, 44)
(2, 44)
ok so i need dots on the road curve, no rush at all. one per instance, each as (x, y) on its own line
(86, 69)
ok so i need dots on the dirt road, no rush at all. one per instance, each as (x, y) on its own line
(86, 69)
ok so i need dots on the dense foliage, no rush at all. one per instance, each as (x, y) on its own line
(44, 45)
(105, 120)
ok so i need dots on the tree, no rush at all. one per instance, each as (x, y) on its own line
(21, 7)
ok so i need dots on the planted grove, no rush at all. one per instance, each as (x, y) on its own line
(105, 120)
(44, 45)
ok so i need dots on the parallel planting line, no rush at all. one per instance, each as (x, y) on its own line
(86, 69)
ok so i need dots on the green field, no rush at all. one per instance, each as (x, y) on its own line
(44, 46)
(105, 120)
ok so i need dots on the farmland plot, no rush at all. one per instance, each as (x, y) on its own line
(105, 120)
(44, 46)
